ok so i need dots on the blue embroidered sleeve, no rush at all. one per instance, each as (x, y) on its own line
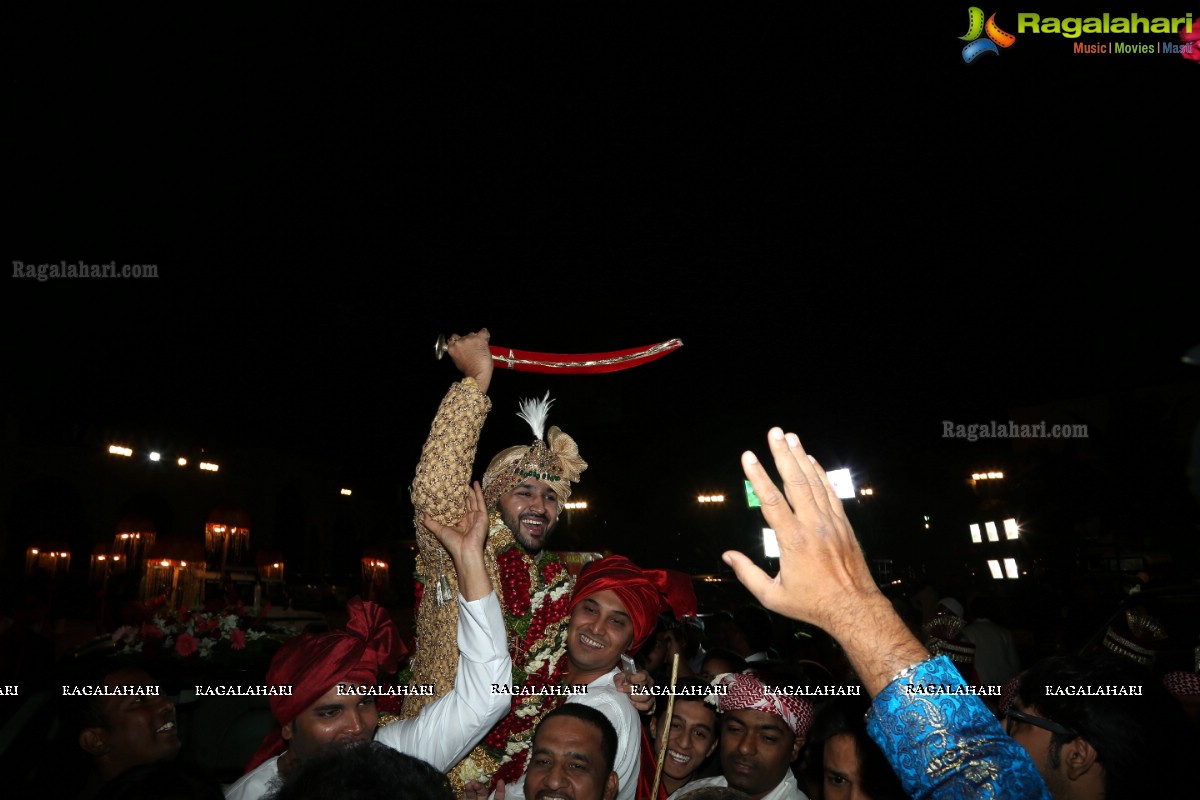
(949, 746)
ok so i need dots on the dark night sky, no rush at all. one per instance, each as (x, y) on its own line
(855, 234)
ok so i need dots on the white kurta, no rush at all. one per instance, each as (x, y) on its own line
(604, 696)
(787, 789)
(996, 659)
(450, 726)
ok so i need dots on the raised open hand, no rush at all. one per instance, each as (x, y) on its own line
(822, 572)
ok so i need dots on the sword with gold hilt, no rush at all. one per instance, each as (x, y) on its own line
(572, 364)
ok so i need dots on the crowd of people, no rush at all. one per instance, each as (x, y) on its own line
(610, 686)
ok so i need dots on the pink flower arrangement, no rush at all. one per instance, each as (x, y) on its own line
(190, 635)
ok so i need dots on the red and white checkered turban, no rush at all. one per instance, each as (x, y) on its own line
(745, 690)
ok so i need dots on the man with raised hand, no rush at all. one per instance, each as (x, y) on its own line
(524, 487)
(331, 674)
(824, 580)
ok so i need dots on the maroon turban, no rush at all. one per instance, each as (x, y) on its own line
(313, 663)
(680, 594)
(641, 591)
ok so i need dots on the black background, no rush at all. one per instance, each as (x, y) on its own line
(856, 235)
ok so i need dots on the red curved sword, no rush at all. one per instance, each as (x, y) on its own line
(578, 363)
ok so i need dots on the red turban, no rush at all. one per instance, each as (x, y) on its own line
(681, 594)
(313, 663)
(641, 591)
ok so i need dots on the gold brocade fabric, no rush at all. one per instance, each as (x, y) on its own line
(439, 489)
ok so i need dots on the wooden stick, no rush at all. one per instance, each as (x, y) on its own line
(666, 731)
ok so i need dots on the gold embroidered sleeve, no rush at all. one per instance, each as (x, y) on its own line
(439, 489)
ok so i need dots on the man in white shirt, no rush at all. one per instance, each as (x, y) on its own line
(614, 610)
(996, 660)
(330, 674)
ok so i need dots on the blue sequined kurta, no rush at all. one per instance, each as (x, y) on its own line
(949, 746)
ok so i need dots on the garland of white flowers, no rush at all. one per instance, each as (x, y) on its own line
(536, 617)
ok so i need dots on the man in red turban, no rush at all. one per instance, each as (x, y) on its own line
(331, 675)
(614, 610)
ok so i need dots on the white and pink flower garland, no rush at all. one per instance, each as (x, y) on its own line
(536, 595)
(186, 634)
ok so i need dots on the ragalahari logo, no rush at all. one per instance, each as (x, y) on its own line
(976, 27)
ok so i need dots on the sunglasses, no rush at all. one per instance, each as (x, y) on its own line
(1037, 722)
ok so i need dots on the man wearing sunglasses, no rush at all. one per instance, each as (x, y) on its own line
(1100, 726)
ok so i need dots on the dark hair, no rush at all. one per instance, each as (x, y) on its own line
(166, 780)
(717, 793)
(687, 690)
(608, 734)
(665, 623)
(733, 658)
(755, 624)
(88, 711)
(1138, 739)
(363, 772)
(844, 715)
(720, 619)
(778, 674)
(982, 606)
